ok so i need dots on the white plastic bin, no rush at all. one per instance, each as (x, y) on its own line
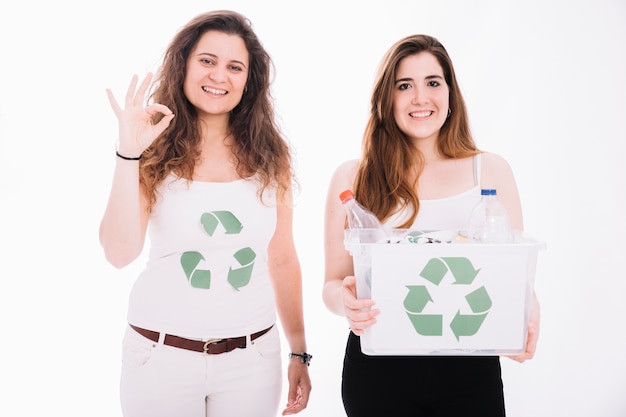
(445, 298)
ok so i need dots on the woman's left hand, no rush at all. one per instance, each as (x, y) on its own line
(299, 387)
(533, 332)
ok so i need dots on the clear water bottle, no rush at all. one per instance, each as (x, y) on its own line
(370, 228)
(489, 222)
(364, 228)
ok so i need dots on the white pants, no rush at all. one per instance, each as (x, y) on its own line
(164, 381)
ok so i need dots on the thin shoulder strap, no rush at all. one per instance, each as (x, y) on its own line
(477, 168)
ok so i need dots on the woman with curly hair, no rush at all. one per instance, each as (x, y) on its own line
(203, 169)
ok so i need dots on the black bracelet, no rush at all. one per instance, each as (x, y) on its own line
(304, 357)
(127, 158)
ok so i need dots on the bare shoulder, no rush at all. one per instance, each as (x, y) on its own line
(493, 161)
(498, 174)
(347, 168)
(344, 174)
(342, 179)
(496, 171)
(495, 167)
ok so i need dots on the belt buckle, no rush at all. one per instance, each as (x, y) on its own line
(208, 343)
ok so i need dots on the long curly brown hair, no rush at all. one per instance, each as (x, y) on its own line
(382, 181)
(259, 146)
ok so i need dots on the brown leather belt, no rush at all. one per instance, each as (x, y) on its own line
(210, 347)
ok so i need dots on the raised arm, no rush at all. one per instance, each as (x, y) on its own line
(123, 225)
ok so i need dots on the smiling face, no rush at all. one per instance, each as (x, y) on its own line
(420, 97)
(217, 71)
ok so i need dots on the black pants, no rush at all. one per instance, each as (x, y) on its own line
(416, 386)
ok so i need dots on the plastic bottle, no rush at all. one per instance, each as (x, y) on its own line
(364, 228)
(489, 222)
(361, 218)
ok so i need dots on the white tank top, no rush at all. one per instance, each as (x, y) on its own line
(207, 274)
(450, 213)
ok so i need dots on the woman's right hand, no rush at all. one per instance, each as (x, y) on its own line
(136, 130)
(359, 313)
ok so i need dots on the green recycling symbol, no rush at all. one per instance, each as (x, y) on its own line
(237, 277)
(418, 298)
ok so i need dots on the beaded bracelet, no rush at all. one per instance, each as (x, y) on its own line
(127, 158)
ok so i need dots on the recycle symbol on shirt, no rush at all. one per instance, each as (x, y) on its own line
(466, 321)
(240, 275)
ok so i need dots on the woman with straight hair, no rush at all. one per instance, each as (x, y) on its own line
(419, 169)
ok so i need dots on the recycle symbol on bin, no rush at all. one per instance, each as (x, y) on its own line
(462, 324)
(240, 275)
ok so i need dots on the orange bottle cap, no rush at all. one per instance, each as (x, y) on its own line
(346, 195)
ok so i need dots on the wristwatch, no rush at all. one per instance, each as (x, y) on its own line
(304, 357)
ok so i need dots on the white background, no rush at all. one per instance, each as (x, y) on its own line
(544, 82)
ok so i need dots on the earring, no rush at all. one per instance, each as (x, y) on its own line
(449, 111)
